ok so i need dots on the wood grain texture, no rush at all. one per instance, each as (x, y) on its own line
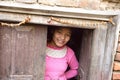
(85, 54)
(22, 52)
(110, 48)
(5, 52)
(21, 77)
(97, 54)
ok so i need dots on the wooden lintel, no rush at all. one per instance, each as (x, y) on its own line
(45, 20)
(37, 9)
(40, 14)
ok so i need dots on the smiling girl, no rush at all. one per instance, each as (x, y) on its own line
(59, 56)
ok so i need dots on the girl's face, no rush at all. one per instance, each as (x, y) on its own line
(61, 37)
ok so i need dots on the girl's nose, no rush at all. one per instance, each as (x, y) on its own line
(63, 37)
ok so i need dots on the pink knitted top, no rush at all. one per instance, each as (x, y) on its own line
(56, 67)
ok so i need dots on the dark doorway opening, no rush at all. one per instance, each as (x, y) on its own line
(81, 43)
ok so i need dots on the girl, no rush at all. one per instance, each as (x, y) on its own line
(59, 56)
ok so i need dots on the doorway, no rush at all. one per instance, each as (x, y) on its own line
(80, 42)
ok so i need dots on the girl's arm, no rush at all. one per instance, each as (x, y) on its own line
(73, 64)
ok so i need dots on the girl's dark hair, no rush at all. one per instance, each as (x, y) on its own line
(51, 31)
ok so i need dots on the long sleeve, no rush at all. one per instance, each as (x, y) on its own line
(73, 64)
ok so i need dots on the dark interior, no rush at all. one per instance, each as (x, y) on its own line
(81, 42)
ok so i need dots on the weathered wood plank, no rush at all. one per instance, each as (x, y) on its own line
(39, 51)
(23, 58)
(110, 48)
(21, 77)
(97, 54)
(22, 53)
(85, 54)
(5, 52)
(71, 22)
(29, 52)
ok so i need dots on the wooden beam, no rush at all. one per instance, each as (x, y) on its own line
(44, 20)
(38, 9)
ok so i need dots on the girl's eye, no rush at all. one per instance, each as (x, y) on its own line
(68, 35)
(59, 32)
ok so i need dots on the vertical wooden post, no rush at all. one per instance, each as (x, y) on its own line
(110, 48)
(85, 54)
(97, 54)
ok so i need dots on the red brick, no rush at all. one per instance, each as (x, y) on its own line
(116, 76)
(117, 56)
(83, 4)
(116, 66)
(86, 4)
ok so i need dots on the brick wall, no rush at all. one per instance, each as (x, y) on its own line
(86, 4)
(116, 66)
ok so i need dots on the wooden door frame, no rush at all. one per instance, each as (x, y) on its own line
(106, 36)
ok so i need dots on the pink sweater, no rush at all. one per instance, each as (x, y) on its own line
(56, 67)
